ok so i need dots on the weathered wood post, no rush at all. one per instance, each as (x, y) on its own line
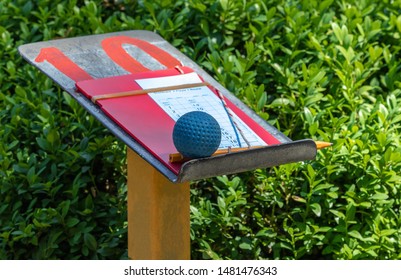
(158, 213)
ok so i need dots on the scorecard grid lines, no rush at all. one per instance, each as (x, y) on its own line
(179, 102)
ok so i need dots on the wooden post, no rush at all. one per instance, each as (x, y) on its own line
(158, 213)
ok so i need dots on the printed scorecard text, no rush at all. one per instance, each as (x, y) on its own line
(179, 102)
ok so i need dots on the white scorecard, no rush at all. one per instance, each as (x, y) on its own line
(178, 102)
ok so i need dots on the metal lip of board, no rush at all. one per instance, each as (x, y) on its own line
(248, 160)
(95, 56)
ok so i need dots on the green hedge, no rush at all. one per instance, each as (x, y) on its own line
(327, 70)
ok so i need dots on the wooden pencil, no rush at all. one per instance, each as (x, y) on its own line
(145, 91)
(177, 157)
(322, 144)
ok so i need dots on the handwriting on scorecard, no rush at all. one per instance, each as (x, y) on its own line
(178, 102)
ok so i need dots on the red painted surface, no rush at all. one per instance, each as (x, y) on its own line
(138, 115)
(113, 46)
(63, 63)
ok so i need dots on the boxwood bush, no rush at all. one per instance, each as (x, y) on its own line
(327, 70)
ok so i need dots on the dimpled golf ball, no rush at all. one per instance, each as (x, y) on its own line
(196, 134)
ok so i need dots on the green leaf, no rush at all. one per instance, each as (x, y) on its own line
(31, 175)
(53, 138)
(308, 117)
(266, 233)
(337, 32)
(298, 199)
(43, 143)
(337, 213)
(221, 203)
(71, 222)
(262, 101)
(316, 208)
(387, 232)
(379, 196)
(318, 77)
(281, 102)
(40, 224)
(355, 234)
(65, 207)
(398, 23)
(90, 241)
(245, 246)
(89, 202)
(325, 4)
(313, 99)
(347, 53)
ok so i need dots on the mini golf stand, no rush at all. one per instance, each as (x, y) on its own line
(158, 199)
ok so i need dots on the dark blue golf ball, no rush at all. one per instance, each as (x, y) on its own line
(196, 134)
